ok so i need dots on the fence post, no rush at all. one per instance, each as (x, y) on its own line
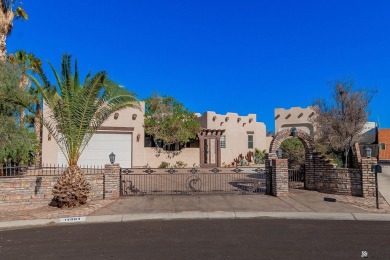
(368, 176)
(268, 172)
(280, 177)
(111, 181)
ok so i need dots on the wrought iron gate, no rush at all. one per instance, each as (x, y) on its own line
(156, 181)
(296, 178)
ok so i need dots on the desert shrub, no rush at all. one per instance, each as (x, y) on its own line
(163, 165)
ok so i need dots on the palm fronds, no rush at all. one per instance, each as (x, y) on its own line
(76, 111)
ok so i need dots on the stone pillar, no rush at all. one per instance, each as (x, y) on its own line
(111, 187)
(310, 179)
(279, 177)
(368, 176)
(268, 172)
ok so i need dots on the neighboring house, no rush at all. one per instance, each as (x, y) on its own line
(369, 133)
(384, 145)
(223, 139)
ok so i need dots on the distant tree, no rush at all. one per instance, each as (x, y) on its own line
(17, 142)
(28, 64)
(169, 121)
(294, 151)
(13, 101)
(9, 9)
(340, 120)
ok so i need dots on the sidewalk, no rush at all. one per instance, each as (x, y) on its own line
(301, 204)
(384, 182)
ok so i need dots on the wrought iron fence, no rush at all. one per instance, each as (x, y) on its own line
(296, 178)
(176, 181)
(7, 171)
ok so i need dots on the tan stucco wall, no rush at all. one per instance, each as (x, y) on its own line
(269, 141)
(49, 147)
(125, 119)
(294, 117)
(190, 156)
(236, 131)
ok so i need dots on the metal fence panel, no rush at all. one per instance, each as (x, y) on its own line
(9, 171)
(152, 181)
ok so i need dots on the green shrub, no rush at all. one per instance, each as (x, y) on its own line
(180, 164)
(164, 165)
(259, 156)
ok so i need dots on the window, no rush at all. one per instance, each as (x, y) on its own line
(222, 142)
(148, 141)
(382, 146)
(250, 141)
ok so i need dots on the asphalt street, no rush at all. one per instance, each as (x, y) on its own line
(201, 239)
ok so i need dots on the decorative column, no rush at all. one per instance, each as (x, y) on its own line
(368, 176)
(111, 187)
(280, 177)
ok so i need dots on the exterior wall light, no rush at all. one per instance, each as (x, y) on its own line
(279, 153)
(134, 116)
(294, 132)
(116, 115)
(112, 158)
(368, 151)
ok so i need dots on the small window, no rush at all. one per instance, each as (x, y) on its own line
(382, 146)
(222, 142)
(250, 141)
(148, 141)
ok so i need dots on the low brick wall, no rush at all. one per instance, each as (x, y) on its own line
(37, 188)
(340, 181)
(323, 176)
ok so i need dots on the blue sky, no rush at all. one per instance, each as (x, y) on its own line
(223, 56)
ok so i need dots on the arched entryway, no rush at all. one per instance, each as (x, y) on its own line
(277, 169)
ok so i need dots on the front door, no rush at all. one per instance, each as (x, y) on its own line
(209, 153)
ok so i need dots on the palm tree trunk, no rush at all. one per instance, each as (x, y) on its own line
(24, 81)
(3, 50)
(38, 133)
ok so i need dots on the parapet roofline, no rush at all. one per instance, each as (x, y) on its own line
(302, 108)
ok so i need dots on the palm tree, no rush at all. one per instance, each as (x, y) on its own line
(27, 64)
(76, 111)
(7, 16)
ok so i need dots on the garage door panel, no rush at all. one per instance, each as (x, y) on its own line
(99, 148)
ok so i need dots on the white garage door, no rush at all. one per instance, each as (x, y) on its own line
(99, 148)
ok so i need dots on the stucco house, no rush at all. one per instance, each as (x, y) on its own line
(223, 139)
(384, 145)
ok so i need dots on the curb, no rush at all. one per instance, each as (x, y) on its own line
(202, 215)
